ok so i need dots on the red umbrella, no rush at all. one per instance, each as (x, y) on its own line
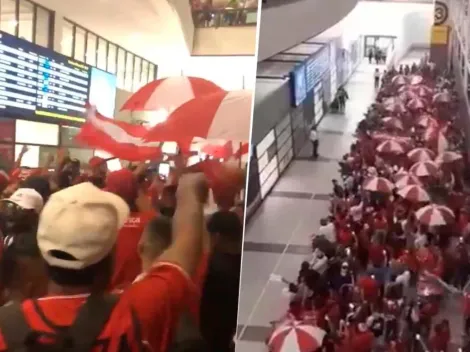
(416, 103)
(416, 79)
(442, 97)
(296, 336)
(391, 146)
(399, 80)
(405, 179)
(414, 193)
(218, 116)
(393, 122)
(424, 168)
(382, 137)
(169, 93)
(422, 91)
(378, 184)
(427, 121)
(420, 154)
(435, 215)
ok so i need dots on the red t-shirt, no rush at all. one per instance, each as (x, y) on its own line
(157, 300)
(127, 263)
(362, 342)
(198, 279)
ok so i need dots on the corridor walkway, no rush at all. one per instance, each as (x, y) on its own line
(277, 238)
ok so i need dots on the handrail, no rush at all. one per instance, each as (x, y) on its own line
(215, 18)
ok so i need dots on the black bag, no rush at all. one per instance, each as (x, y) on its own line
(81, 336)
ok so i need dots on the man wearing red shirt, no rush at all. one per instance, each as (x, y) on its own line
(76, 236)
(127, 263)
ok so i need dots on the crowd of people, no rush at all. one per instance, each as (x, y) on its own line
(123, 261)
(393, 255)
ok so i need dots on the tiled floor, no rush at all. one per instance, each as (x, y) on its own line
(277, 237)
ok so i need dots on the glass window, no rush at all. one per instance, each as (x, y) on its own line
(91, 48)
(121, 68)
(26, 20)
(144, 78)
(112, 52)
(129, 73)
(43, 27)
(137, 74)
(36, 133)
(151, 72)
(44, 153)
(8, 20)
(102, 53)
(66, 44)
(30, 158)
(84, 155)
(79, 49)
(67, 136)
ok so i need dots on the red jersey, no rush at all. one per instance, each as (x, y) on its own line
(158, 300)
(127, 263)
(199, 278)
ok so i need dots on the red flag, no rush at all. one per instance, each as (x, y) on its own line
(121, 139)
(244, 149)
(224, 151)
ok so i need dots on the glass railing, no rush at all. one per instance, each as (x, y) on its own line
(225, 18)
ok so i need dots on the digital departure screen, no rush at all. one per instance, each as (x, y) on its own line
(37, 83)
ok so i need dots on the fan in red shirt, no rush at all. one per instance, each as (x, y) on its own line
(127, 263)
(76, 236)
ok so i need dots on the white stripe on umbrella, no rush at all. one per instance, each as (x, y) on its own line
(378, 184)
(391, 146)
(420, 154)
(392, 122)
(424, 168)
(435, 215)
(405, 179)
(414, 193)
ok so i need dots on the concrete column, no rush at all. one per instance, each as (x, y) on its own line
(440, 34)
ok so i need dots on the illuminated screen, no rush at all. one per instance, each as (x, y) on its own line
(103, 91)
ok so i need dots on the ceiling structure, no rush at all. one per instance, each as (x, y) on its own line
(149, 28)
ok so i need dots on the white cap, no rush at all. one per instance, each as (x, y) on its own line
(81, 221)
(27, 198)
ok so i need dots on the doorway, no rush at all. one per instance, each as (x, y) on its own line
(378, 42)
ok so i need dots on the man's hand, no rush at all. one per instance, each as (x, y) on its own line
(24, 150)
(193, 184)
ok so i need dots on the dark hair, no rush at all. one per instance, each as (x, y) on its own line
(40, 184)
(83, 277)
(159, 231)
(227, 224)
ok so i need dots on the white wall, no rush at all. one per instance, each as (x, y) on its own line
(225, 41)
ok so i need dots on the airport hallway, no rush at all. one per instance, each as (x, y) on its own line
(277, 238)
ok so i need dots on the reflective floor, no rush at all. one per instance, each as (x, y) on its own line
(277, 237)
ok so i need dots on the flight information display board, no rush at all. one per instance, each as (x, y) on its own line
(37, 83)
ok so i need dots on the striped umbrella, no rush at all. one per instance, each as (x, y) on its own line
(435, 215)
(296, 336)
(420, 154)
(392, 122)
(427, 121)
(416, 79)
(442, 97)
(378, 184)
(399, 80)
(416, 103)
(448, 157)
(424, 168)
(414, 193)
(405, 179)
(391, 146)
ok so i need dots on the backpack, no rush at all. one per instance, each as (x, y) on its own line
(81, 336)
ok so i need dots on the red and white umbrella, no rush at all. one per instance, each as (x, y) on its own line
(424, 168)
(296, 336)
(391, 146)
(396, 107)
(217, 116)
(169, 93)
(382, 137)
(435, 134)
(407, 95)
(435, 215)
(422, 91)
(442, 97)
(414, 193)
(427, 121)
(378, 184)
(392, 122)
(448, 157)
(406, 179)
(416, 103)
(420, 154)
(399, 80)
(416, 79)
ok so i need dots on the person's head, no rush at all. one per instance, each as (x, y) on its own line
(98, 166)
(314, 128)
(376, 70)
(335, 182)
(77, 234)
(22, 270)
(20, 212)
(124, 184)
(40, 184)
(323, 222)
(344, 269)
(155, 239)
(226, 230)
